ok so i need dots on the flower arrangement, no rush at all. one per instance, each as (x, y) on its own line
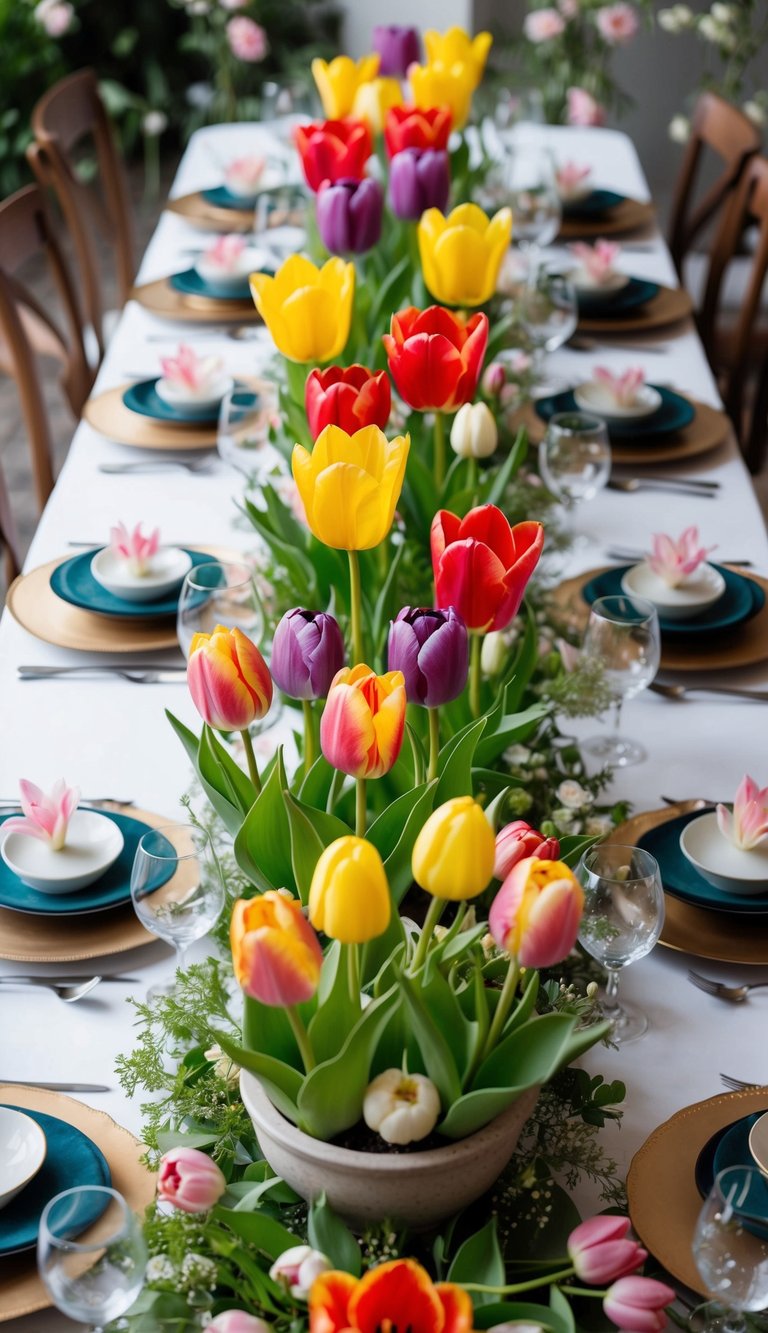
(733, 37)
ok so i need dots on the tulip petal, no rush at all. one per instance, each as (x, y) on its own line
(457, 1308)
(472, 578)
(393, 1289)
(347, 735)
(329, 1302)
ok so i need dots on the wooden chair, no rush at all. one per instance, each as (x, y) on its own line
(727, 133)
(736, 351)
(27, 329)
(70, 117)
(8, 539)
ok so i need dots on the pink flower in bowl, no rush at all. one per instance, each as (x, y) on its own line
(226, 253)
(133, 547)
(188, 371)
(571, 180)
(243, 174)
(597, 261)
(45, 815)
(622, 389)
(747, 827)
(674, 560)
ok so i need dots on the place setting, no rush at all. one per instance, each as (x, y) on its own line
(214, 288)
(611, 301)
(247, 185)
(590, 211)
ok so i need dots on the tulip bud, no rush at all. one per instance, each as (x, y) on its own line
(454, 851)
(361, 730)
(474, 433)
(349, 215)
(275, 952)
(494, 379)
(237, 1321)
(296, 1269)
(638, 1304)
(349, 895)
(189, 1180)
(518, 840)
(600, 1250)
(307, 652)
(402, 1108)
(419, 178)
(398, 47)
(431, 648)
(494, 653)
(228, 679)
(535, 915)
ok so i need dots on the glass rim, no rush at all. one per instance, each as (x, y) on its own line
(749, 1173)
(75, 1245)
(646, 608)
(173, 855)
(190, 578)
(590, 422)
(619, 847)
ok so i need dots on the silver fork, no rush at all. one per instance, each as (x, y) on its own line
(732, 691)
(69, 994)
(736, 994)
(738, 1084)
(629, 485)
(580, 343)
(156, 465)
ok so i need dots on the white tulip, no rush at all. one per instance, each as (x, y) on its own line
(402, 1108)
(474, 433)
(297, 1268)
(494, 653)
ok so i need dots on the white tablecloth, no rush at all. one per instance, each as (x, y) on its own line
(111, 738)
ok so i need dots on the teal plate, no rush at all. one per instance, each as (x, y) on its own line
(674, 414)
(683, 881)
(593, 204)
(144, 399)
(71, 1159)
(191, 284)
(733, 1150)
(742, 600)
(111, 890)
(73, 582)
(222, 197)
(635, 293)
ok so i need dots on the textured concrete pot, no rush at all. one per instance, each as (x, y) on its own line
(418, 1189)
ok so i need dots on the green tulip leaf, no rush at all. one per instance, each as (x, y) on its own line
(229, 812)
(219, 768)
(455, 763)
(328, 1234)
(436, 1049)
(266, 1029)
(262, 846)
(259, 1230)
(523, 663)
(394, 833)
(385, 602)
(331, 1097)
(572, 848)
(306, 846)
(316, 785)
(281, 1082)
(509, 729)
(336, 1013)
(480, 1260)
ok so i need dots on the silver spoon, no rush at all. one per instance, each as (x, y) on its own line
(69, 994)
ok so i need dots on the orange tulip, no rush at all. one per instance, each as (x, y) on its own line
(228, 679)
(276, 953)
(362, 727)
(396, 1294)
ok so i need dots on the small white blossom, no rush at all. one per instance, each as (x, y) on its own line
(402, 1108)
(197, 1270)
(676, 19)
(592, 989)
(572, 795)
(724, 13)
(566, 820)
(200, 95)
(517, 754)
(679, 129)
(223, 1067)
(154, 123)
(597, 825)
(160, 1269)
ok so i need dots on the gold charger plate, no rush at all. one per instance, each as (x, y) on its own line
(196, 209)
(629, 215)
(743, 646)
(108, 414)
(668, 306)
(718, 936)
(709, 429)
(21, 1291)
(664, 1202)
(27, 937)
(163, 299)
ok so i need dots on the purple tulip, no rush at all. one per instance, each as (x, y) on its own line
(349, 215)
(399, 48)
(431, 648)
(307, 651)
(419, 178)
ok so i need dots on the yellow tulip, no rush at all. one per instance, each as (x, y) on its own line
(338, 81)
(461, 254)
(444, 85)
(350, 485)
(454, 853)
(373, 100)
(456, 47)
(307, 310)
(349, 895)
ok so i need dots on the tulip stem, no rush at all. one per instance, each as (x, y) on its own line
(475, 673)
(302, 1037)
(434, 912)
(253, 767)
(353, 974)
(355, 608)
(503, 1007)
(309, 735)
(472, 475)
(531, 1285)
(439, 457)
(583, 1291)
(434, 742)
(360, 808)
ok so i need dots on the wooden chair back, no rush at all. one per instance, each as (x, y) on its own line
(69, 117)
(727, 133)
(8, 539)
(27, 330)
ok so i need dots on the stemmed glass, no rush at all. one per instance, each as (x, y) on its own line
(524, 180)
(176, 888)
(730, 1246)
(99, 1277)
(622, 920)
(245, 417)
(218, 593)
(548, 312)
(575, 456)
(623, 635)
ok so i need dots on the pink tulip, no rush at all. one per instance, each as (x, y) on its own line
(518, 840)
(536, 913)
(583, 109)
(187, 370)
(225, 252)
(621, 388)
(542, 25)
(494, 379)
(570, 177)
(673, 560)
(45, 816)
(617, 24)
(134, 547)
(237, 1321)
(189, 1180)
(247, 40)
(747, 827)
(637, 1304)
(601, 1251)
(598, 260)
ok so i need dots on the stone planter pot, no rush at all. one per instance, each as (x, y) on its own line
(418, 1189)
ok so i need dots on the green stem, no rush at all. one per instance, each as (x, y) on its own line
(360, 808)
(302, 1037)
(531, 1285)
(583, 1291)
(475, 672)
(309, 734)
(418, 762)
(337, 782)
(434, 742)
(503, 1007)
(434, 912)
(355, 608)
(472, 474)
(439, 454)
(251, 757)
(353, 973)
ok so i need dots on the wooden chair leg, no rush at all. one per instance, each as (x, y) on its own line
(756, 441)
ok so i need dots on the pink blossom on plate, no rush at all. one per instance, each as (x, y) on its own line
(134, 547)
(542, 25)
(245, 172)
(226, 252)
(187, 370)
(673, 560)
(617, 24)
(747, 827)
(598, 260)
(247, 40)
(583, 109)
(45, 815)
(621, 388)
(571, 176)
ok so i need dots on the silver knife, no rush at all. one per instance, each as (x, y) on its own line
(141, 675)
(54, 1087)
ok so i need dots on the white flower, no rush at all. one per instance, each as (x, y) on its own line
(474, 433)
(717, 33)
(755, 112)
(494, 654)
(723, 13)
(679, 129)
(567, 821)
(517, 754)
(297, 1268)
(676, 19)
(402, 1108)
(572, 795)
(154, 123)
(223, 1067)
(598, 825)
(160, 1269)
(197, 1270)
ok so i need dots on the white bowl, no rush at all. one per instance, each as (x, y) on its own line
(192, 401)
(167, 570)
(247, 194)
(728, 868)
(22, 1152)
(594, 397)
(232, 278)
(695, 594)
(573, 194)
(94, 843)
(584, 282)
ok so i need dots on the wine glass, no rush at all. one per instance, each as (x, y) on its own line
(622, 920)
(730, 1246)
(245, 417)
(524, 180)
(548, 312)
(99, 1276)
(623, 635)
(176, 888)
(219, 592)
(575, 456)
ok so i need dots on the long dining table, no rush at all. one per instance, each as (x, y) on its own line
(110, 736)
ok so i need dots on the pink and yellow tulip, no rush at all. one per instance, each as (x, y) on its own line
(535, 915)
(362, 726)
(228, 679)
(747, 827)
(276, 953)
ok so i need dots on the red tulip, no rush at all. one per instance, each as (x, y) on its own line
(413, 127)
(482, 564)
(333, 149)
(435, 357)
(516, 841)
(350, 397)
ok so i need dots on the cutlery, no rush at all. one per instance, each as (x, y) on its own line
(580, 343)
(237, 332)
(732, 691)
(157, 465)
(69, 981)
(736, 994)
(700, 801)
(136, 675)
(700, 482)
(55, 1087)
(738, 1084)
(619, 553)
(15, 804)
(82, 669)
(629, 485)
(69, 994)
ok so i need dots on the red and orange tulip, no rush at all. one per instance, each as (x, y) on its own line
(396, 1294)
(228, 679)
(276, 953)
(482, 564)
(362, 726)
